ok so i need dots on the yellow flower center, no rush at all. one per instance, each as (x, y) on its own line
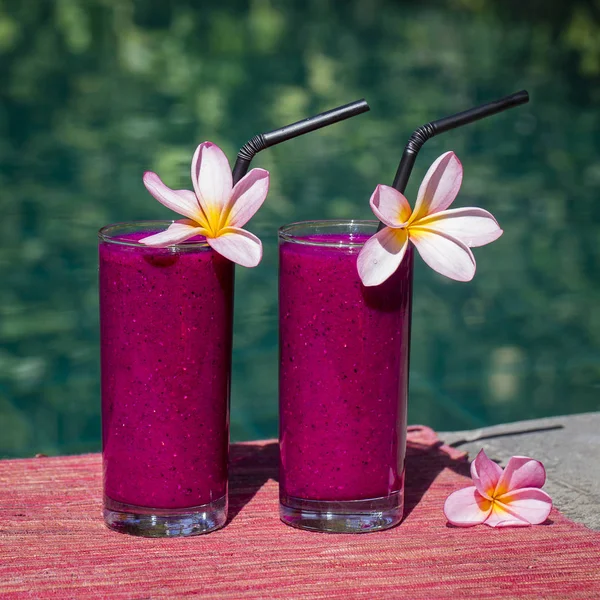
(210, 220)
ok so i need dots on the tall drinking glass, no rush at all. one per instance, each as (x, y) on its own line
(343, 381)
(166, 336)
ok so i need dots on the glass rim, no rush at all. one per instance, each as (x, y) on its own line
(105, 234)
(285, 232)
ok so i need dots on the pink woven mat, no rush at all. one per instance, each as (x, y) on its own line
(53, 543)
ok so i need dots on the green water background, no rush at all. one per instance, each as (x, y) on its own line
(94, 92)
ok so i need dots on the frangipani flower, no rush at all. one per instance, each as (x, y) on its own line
(215, 209)
(501, 498)
(442, 237)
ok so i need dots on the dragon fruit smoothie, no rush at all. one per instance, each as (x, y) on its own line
(343, 381)
(166, 336)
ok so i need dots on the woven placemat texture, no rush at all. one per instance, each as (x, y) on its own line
(53, 543)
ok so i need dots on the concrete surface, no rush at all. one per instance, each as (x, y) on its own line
(568, 446)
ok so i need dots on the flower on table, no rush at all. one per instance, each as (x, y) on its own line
(509, 497)
(442, 237)
(216, 209)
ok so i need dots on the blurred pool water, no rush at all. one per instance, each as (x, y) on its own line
(95, 92)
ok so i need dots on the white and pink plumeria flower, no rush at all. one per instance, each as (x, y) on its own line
(442, 237)
(509, 497)
(216, 209)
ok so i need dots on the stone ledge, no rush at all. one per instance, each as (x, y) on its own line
(569, 447)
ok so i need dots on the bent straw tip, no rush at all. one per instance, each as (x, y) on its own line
(362, 104)
(521, 97)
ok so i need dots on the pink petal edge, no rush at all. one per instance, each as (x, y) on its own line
(211, 177)
(175, 234)
(390, 206)
(472, 226)
(499, 517)
(521, 472)
(439, 187)
(238, 245)
(247, 197)
(381, 256)
(467, 507)
(444, 254)
(183, 202)
(485, 474)
(530, 504)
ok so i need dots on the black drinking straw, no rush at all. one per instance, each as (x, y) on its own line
(429, 130)
(266, 140)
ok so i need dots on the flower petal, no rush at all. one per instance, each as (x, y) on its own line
(211, 176)
(175, 234)
(381, 255)
(521, 472)
(248, 195)
(238, 245)
(530, 504)
(439, 187)
(485, 474)
(472, 226)
(443, 253)
(390, 206)
(501, 517)
(182, 202)
(467, 507)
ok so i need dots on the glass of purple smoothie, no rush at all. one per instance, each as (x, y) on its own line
(166, 335)
(343, 381)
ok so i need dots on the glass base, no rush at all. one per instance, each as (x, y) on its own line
(351, 516)
(165, 522)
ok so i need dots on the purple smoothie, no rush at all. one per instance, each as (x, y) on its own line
(166, 334)
(343, 373)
